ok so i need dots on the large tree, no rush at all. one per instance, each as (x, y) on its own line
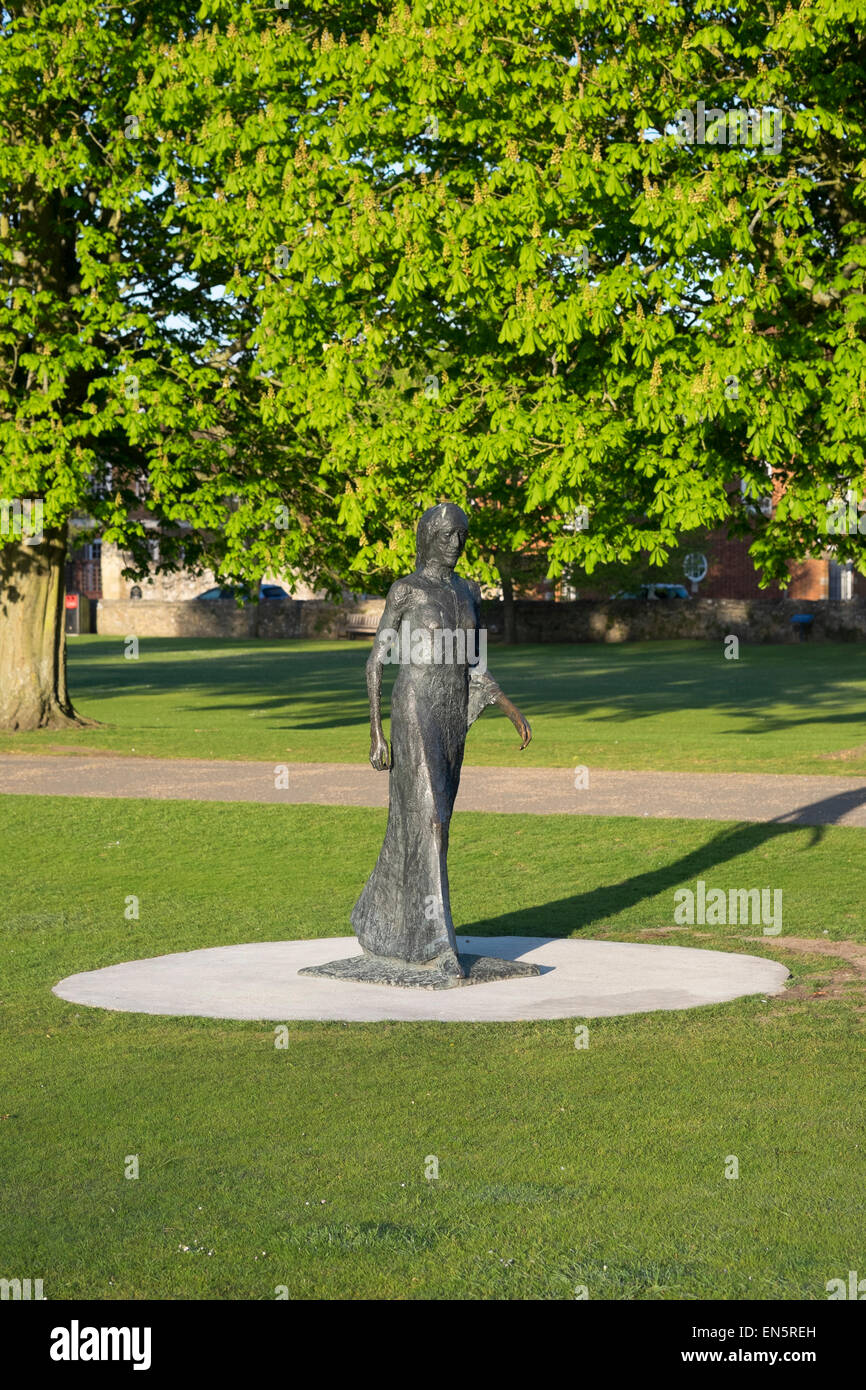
(491, 261)
(292, 273)
(124, 365)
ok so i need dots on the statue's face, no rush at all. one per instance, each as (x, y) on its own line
(449, 541)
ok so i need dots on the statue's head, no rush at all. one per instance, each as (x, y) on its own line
(441, 535)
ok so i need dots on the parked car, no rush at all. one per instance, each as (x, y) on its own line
(223, 591)
(658, 591)
(219, 591)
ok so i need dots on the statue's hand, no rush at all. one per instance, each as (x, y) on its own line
(520, 723)
(380, 757)
(523, 727)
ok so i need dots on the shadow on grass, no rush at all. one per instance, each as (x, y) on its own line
(633, 682)
(577, 913)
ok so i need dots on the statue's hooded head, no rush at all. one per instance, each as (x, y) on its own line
(431, 523)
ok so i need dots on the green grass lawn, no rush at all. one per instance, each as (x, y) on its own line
(677, 706)
(304, 1167)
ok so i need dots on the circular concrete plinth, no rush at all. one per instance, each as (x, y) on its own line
(579, 979)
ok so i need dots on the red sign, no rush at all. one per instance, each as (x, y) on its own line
(71, 600)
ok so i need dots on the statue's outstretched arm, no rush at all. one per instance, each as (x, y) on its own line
(484, 691)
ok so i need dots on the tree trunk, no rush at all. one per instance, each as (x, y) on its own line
(509, 614)
(32, 638)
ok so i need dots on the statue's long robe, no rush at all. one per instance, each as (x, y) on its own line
(404, 911)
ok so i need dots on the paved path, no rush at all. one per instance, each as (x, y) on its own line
(799, 800)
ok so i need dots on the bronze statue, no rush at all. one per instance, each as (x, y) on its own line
(430, 626)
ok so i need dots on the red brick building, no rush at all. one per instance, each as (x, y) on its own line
(731, 574)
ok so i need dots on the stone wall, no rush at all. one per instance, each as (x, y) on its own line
(164, 618)
(585, 620)
(752, 620)
(309, 618)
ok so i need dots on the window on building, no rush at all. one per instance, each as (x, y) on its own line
(841, 581)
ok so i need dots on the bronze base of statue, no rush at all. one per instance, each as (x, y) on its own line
(436, 974)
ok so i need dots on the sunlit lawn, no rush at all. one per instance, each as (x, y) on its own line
(560, 1168)
(679, 706)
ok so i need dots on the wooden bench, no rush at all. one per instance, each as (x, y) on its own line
(362, 624)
